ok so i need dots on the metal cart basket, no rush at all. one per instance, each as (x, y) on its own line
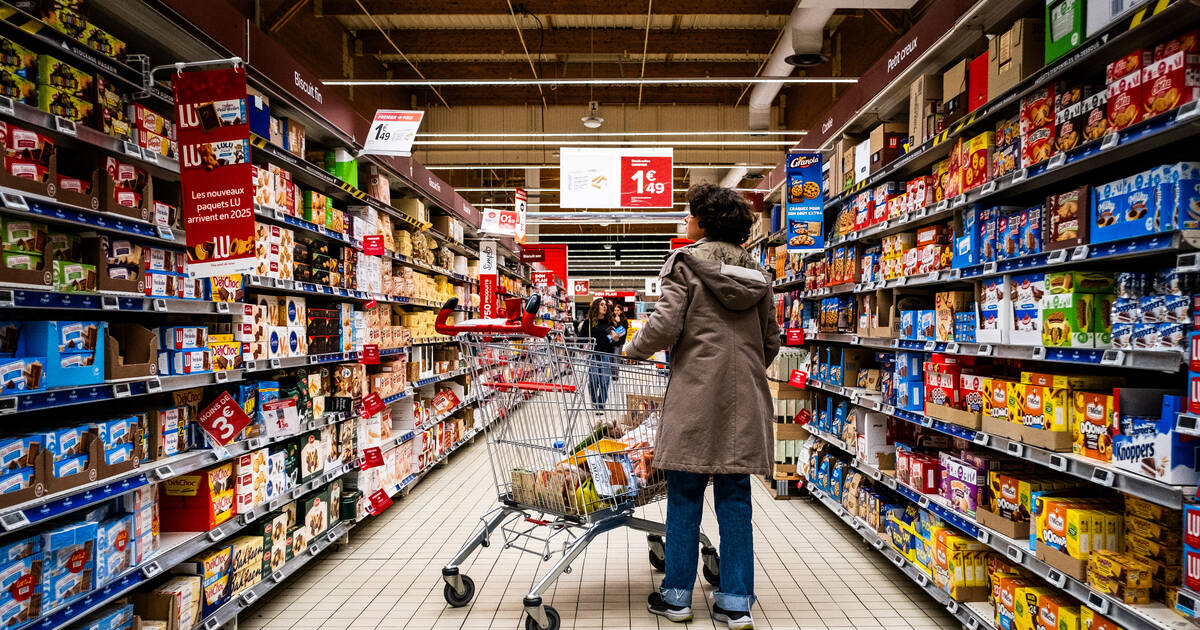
(574, 455)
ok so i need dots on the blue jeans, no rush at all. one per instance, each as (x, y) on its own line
(685, 502)
(599, 374)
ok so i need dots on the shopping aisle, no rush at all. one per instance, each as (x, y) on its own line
(813, 572)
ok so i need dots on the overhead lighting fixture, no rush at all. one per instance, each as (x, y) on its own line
(606, 143)
(585, 134)
(602, 82)
(548, 190)
(593, 119)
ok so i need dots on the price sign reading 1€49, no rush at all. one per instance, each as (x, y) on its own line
(646, 182)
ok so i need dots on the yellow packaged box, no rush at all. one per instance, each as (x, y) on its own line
(1091, 417)
(1057, 613)
(1027, 601)
(1120, 568)
(1047, 402)
(1064, 524)
(995, 398)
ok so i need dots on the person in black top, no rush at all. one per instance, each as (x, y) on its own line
(598, 326)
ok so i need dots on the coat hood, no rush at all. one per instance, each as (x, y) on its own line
(726, 269)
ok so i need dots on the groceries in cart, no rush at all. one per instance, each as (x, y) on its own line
(610, 466)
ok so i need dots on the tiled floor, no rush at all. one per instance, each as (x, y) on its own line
(812, 571)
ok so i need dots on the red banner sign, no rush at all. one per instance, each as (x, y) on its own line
(533, 254)
(215, 173)
(371, 303)
(372, 404)
(795, 337)
(380, 501)
(369, 354)
(489, 284)
(224, 419)
(542, 278)
(676, 243)
(373, 245)
(581, 287)
(646, 182)
(798, 379)
(372, 457)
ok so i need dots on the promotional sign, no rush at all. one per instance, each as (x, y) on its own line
(488, 282)
(521, 206)
(215, 174)
(369, 354)
(532, 254)
(380, 501)
(795, 337)
(804, 202)
(798, 379)
(499, 222)
(581, 287)
(372, 404)
(629, 177)
(372, 457)
(628, 295)
(542, 278)
(280, 417)
(223, 419)
(373, 245)
(676, 243)
(392, 132)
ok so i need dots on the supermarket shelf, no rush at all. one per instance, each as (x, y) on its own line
(1132, 617)
(1171, 127)
(441, 377)
(1090, 56)
(972, 617)
(230, 610)
(52, 210)
(67, 396)
(1067, 463)
(295, 287)
(453, 245)
(431, 422)
(1158, 360)
(41, 299)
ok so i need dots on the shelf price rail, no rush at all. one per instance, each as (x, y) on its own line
(1133, 617)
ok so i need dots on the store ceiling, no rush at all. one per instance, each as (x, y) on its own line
(505, 39)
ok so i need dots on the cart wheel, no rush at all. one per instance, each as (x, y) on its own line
(551, 617)
(711, 566)
(658, 562)
(456, 600)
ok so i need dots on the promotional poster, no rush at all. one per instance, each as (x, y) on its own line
(804, 202)
(215, 173)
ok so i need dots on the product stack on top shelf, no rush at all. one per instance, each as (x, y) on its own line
(1001, 333)
(116, 507)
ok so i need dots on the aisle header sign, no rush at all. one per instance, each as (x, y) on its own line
(488, 282)
(804, 202)
(215, 174)
(636, 177)
(392, 132)
(501, 222)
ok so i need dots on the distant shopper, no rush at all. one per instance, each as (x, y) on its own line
(619, 331)
(717, 316)
(598, 326)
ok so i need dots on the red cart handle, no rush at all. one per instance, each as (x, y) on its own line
(521, 323)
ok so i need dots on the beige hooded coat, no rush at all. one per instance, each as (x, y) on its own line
(717, 317)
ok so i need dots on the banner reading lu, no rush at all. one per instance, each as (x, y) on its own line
(215, 174)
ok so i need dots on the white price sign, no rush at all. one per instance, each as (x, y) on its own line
(497, 222)
(392, 132)
(581, 287)
(637, 177)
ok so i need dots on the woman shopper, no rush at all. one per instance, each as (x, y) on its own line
(717, 317)
(598, 326)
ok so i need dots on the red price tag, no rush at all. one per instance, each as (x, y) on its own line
(372, 404)
(799, 379)
(370, 304)
(369, 354)
(380, 501)
(646, 182)
(373, 245)
(372, 457)
(224, 419)
(795, 337)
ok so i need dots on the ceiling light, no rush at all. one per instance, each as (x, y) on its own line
(682, 81)
(807, 60)
(606, 143)
(608, 246)
(579, 134)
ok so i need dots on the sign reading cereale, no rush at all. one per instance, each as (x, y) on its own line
(637, 177)
(215, 174)
(392, 132)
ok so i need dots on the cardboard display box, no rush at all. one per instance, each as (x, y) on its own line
(924, 96)
(1073, 567)
(131, 351)
(968, 419)
(1014, 55)
(954, 92)
(1017, 530)
(887, 144)
(1058, 441)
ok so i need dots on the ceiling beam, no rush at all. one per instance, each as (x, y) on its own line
(561, 7)
(578, 95)
(571, 40)
(520, 70)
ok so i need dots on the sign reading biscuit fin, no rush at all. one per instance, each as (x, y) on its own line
(215, 174)
(804, 202)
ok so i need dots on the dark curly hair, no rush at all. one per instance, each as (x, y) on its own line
(724, 215)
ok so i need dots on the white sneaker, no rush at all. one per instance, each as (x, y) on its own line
(736, 620)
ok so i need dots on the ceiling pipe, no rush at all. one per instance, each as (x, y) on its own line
(802, 44)
(734, 176)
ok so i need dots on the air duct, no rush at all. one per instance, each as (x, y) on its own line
(802, 44)
(734, 176)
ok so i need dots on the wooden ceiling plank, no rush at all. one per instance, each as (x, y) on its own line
(568, 40)
(333, 8)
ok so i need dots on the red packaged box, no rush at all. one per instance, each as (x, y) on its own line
(1124, 80)
(977, 82)
(903, 463)
(925, 474)
(1037, 126)
(880, 209)
(863, 208)
(1191, 525)
(1194, 394)
(919, 192)
(896, 207)
(1166, 84)
(1191, 568)
(937, 233)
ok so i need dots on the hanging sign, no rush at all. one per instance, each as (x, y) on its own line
(581, 287)
(215, 174)
(372, 457)
(224, 419)
(392, 132)
(798, 379)
(499, 222)
(521, 206)
(380, 501)
(488, 282)
(637, 177)
(369, 354)
(373, 245)
(653, 287)
(542, 278)
(804, 202)
(795, 337)
(372, 404)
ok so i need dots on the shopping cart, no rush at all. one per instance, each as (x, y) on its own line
(574, 455)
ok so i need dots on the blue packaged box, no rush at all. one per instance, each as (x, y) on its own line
(1008, 235)
(18, 584)
(22, 548)
(62, 369)
(1030, 237)
(1150, 446)
(78, 336)
(908, 324)
(68, 563)
(22, 374)
(70, 466)
(118, 454)
(835, 479)
(966, 240)
(15, 452)
(1178, 187)
(115, 432)
(908, 366)
(63, 443)
(258, 114)
(112, 548)
(926, 325)
(910, 395)
(989, 225)
(112, 617)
